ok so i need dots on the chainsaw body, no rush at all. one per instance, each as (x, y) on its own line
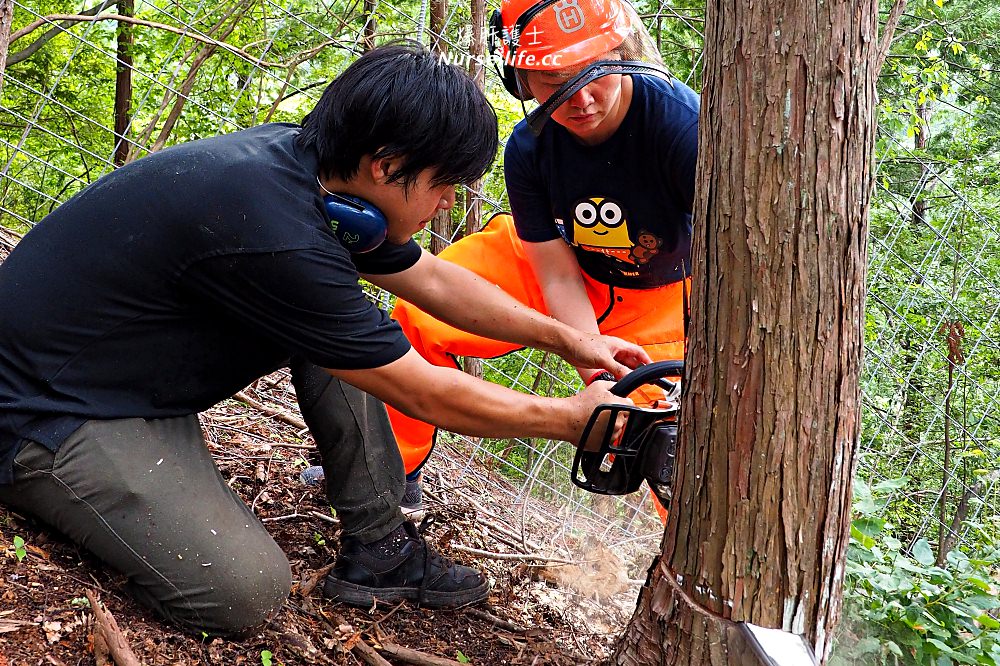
(645, 448)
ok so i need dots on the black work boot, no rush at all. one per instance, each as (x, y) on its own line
(401, 566)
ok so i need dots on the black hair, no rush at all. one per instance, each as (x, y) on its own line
(401, 101)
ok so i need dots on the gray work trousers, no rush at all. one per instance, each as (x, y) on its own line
(146, 498)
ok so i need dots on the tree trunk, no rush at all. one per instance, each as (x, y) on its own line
(439, 13)
(471, 201)
(924, 180)
(368, 33)
(477, 70)
(6, 18)
(441, 225)
(123, 84)
(759, 525)
(954, 332)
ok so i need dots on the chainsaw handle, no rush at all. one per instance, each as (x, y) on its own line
(647, 374)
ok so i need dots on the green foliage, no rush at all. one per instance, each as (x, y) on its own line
(929, 415)
(901, 608)
(19, 550)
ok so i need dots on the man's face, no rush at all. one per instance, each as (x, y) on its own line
(593, 112)
(408, 210)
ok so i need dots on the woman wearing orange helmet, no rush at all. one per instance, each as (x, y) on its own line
(601, 197)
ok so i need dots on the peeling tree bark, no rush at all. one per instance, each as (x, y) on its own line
(439, 15)
(759, 525)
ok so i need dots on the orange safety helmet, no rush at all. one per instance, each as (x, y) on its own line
(548, 35)
(553, 34)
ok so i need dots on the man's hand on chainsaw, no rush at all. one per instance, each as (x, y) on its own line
(604, 352)
(589, 399)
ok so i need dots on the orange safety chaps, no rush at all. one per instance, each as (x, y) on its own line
(652, 318)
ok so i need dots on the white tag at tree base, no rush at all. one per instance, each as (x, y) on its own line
(780, 648)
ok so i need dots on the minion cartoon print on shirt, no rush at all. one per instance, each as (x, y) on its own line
(600, 225)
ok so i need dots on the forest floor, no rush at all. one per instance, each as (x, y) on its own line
(553, 601)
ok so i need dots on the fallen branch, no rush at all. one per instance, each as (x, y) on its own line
(9, 238)
(498, 525)
(324, 517)
(107, 627)
(102, 653)
(367, 654)
(290, 516)
(279, 414)
(286, 445)
(496, 621)
(7, 626)
(388, 614)
(306, 588)
(415, 657)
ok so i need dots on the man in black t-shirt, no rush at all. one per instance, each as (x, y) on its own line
(171, 283)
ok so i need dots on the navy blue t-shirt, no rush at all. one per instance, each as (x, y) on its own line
(173, 282)
(624, 205)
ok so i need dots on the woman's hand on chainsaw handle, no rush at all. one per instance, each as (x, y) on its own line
(603, 352)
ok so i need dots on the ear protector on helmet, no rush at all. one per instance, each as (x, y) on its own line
(506, 72)
(358, 224)
(497, 34)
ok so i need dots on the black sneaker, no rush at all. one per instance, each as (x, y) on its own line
(413, 571)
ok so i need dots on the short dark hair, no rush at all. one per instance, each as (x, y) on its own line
(402, 101)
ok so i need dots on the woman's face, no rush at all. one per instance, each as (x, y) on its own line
(595, 111)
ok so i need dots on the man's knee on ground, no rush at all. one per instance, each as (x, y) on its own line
(236, 601)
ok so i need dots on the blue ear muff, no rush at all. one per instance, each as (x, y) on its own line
(358, 224)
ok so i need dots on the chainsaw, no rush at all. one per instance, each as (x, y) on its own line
(610, 464)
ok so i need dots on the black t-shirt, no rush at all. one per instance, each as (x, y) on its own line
(624, 205)
(171, 283)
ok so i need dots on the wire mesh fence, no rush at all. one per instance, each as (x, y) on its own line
(88, 88)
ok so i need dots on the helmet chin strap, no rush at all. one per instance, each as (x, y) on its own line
(541, 114)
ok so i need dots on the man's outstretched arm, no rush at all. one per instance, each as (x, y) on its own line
(461, 403)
